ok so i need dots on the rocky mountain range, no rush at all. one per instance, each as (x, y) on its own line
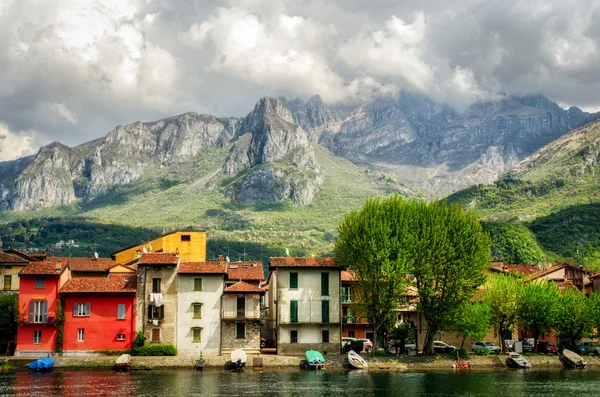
(428, 146)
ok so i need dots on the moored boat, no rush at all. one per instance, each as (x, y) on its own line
(356, 361)
(238, 359)
(123, 363)
(515, 360)
(314, 359)
(43, 364)
(571, 359)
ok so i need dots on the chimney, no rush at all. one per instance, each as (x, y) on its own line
(221, 258)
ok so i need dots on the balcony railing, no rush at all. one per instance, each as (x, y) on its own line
(252, 314)
(347, 298)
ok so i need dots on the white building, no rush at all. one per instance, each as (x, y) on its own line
(304, 305)
(200, 287)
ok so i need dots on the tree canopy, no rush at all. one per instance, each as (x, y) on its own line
(537, 307)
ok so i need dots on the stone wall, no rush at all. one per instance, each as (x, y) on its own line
(252, 340)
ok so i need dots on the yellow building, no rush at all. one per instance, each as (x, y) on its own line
(191, 245)
(10, 266)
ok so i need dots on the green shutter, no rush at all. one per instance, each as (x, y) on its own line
(324, 284)
(293, 280)
(197, 284)
(197, 310)
(293, 311)
(324, 311)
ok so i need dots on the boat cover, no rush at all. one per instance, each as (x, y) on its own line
(42, 363)
(314, 357)
(238, 355)
(123, 359)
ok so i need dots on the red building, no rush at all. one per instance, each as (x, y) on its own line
(353, 326)
(38, 299)
(99, 313)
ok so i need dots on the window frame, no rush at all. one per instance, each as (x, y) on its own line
(325, 284)
(119, 339)
(155, 313)
(40, 283)
(156, 290)
(196, 279)
(237, 329)
(294, 336)
(38, 311)
(325, 332)
(199, 331)
(155, 331)
(294, 280)
(194, 305)
(7, 277)
(124, 306)
(82, 309)
(186, 237)
(294, 312)
(39, 338)
(325, 314)
(80, 334)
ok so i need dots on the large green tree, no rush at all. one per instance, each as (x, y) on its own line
(8, 320)
(501, 291)
(537, 307)
(573, 317)
(472, 321)
(440, 248)
(372, 241)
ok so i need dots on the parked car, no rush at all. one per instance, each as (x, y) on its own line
(442, 347)
(492, 347)
(367, 345)
(347, 339)
(527, 345)
(410, 346)
(574, 346)
(594, 347)
(547, 348)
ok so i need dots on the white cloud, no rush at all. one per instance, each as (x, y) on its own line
(64, 112)
(14, 145)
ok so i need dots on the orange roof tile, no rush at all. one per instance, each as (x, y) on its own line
(245, 271)
(243, 287)
(287, 261)
(115, 283)
(348, 275)
(90, 264)
(159, 258)
(203, 267)
(46, 268)
(8, 258)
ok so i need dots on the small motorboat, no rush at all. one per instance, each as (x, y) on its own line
(515, 360)
(314, 360)
(238, 360)
(43, 364)
(123, 363)
(356, 361)
(571, 359)
(200, 364)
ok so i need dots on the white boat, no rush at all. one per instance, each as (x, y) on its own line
(238, 359)
(516, 360)
(571, 359)
(356, 360)
(123, 363)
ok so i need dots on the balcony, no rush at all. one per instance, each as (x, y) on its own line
(247, 314)
(347, 298)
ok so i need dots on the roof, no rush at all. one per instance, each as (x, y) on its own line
(245, 271)
(243, 287)
(557, 267)
(202, 267)
(26, 257)
(115, 283)
(90, 264)
(287, 261)
(159, 258)
(46, 268)
(264, 285)
(348, 275)
(524, 270)
(10, 258)
(156, 238)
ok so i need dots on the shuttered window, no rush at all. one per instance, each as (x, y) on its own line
(324, 311)
(156, 285)
(293, 311)
(197, 284)
(197, 310)
(156, 313)
(293, 280)
(7, 283)
(294, 336)
(121, 311)
(38, 311)
(196, 335)
(81, 309)
(324, 284)
(37, 337)
(156, 335)
(39, 283)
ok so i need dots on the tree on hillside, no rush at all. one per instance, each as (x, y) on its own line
(472, 321)
(514, 243)
(537, 308)
(372, 241)
(573, 317)
(441, 247)
(501, 291)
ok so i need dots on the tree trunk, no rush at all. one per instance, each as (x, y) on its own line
(462, 344)
(536, 336)
(428, 348)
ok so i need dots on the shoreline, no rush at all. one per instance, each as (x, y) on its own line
(274, 362)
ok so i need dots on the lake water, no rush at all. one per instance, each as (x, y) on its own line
(298, 383)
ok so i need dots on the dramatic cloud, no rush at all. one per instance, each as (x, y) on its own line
(73, 70)
(13, 145)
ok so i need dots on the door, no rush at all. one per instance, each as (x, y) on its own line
(241, 306)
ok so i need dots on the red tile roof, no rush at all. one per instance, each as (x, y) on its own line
(90, 264)
(116, 283)
(22, 255)
(243, 287)
(8, 258)
(159, 258)
(348, 275)
(47, 268)
(287, 261)
(252, 271)
(202, 267)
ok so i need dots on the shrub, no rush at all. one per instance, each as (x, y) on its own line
(155, 350)
(459, 353)
(481, 352)
(140, 339)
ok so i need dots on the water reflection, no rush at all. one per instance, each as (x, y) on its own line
(300, 383)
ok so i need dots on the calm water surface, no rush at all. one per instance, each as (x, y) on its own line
(297, 383)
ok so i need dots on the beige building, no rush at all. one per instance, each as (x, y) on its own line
(10, 266)
(304, 305)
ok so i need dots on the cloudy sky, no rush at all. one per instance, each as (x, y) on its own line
(70, 70)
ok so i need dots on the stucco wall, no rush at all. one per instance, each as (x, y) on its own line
(210, 297)
(189, 251)
(10, 269)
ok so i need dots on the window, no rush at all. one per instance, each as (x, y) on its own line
(293, 280)
(294, 336)
(350, 334)
(80, 334)
(293, 311)
(37, 337)
(197, 310)
(197, 284)
(240, 331)
(325, 336)
(324, 311)
(7, 283)
(196, 335)
(346, 294)
(186, 237)
(81, 310)
(121, 337)
(156, 285)
(38, 311)
(155, 313)
(121, 311)
(155, 334)
(324, 284)
(39, 283)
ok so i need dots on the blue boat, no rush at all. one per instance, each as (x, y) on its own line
(43, 364)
